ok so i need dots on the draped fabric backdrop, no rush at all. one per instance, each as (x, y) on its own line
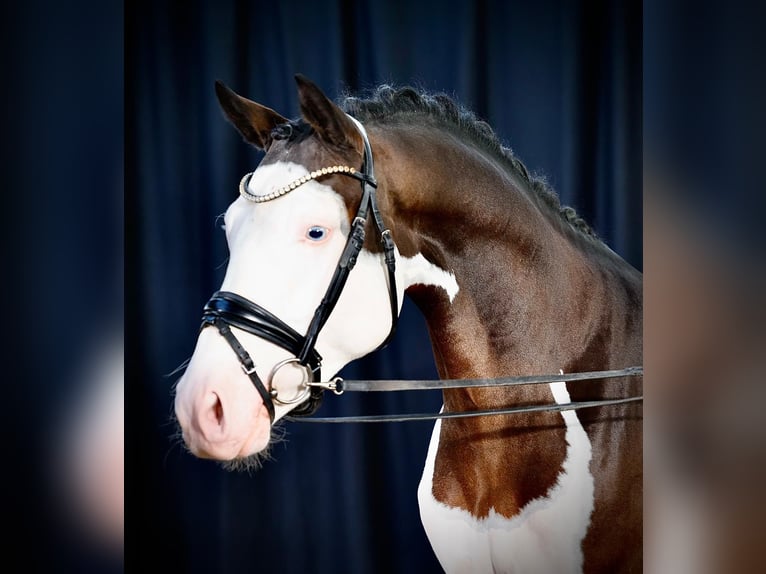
(558, 81)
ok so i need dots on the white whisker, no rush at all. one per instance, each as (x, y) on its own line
(178, 369)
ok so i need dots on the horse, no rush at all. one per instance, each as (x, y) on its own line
(509, 282)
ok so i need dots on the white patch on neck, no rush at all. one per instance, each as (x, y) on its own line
(545, 537)
(418, 270)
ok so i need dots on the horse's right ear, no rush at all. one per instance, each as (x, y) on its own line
(252, 120)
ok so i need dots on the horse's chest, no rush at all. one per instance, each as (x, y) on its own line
(545, 537)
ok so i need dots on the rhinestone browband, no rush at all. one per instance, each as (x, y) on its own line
(292, 185)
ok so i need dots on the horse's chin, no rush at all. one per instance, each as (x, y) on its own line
(253, 445)
(260, 453)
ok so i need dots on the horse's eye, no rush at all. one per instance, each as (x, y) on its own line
(316, 233)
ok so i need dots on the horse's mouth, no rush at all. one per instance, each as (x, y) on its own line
(255, 461)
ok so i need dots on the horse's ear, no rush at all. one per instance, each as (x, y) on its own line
(328, 120)
(252, 120)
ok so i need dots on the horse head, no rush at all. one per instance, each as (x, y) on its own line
(286, 233)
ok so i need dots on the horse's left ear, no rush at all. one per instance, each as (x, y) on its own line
(328, 120)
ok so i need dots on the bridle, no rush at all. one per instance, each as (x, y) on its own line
(226, 309)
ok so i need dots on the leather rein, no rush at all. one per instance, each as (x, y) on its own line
(225, 310)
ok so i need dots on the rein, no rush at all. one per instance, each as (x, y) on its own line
(340, 386)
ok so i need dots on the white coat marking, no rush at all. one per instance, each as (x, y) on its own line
(418, 270)
(545, 537)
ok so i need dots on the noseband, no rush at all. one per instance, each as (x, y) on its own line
(225, 309)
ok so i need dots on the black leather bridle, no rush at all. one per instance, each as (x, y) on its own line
(225, 309)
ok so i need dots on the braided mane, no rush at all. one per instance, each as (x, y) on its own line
(386, 104)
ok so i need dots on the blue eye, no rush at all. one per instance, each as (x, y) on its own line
(316, 233)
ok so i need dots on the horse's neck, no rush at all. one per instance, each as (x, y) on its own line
(532, 293)
(533, 297)
(518, 312)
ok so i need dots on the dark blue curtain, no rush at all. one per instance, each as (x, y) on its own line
(560, 82)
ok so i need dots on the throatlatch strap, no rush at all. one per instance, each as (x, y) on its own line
(390, 258)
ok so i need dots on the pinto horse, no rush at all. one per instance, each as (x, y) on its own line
(510, 283)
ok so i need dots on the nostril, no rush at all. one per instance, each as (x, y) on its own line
(209, 420)
(218, 411)
(214, 411)
(223, 424)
